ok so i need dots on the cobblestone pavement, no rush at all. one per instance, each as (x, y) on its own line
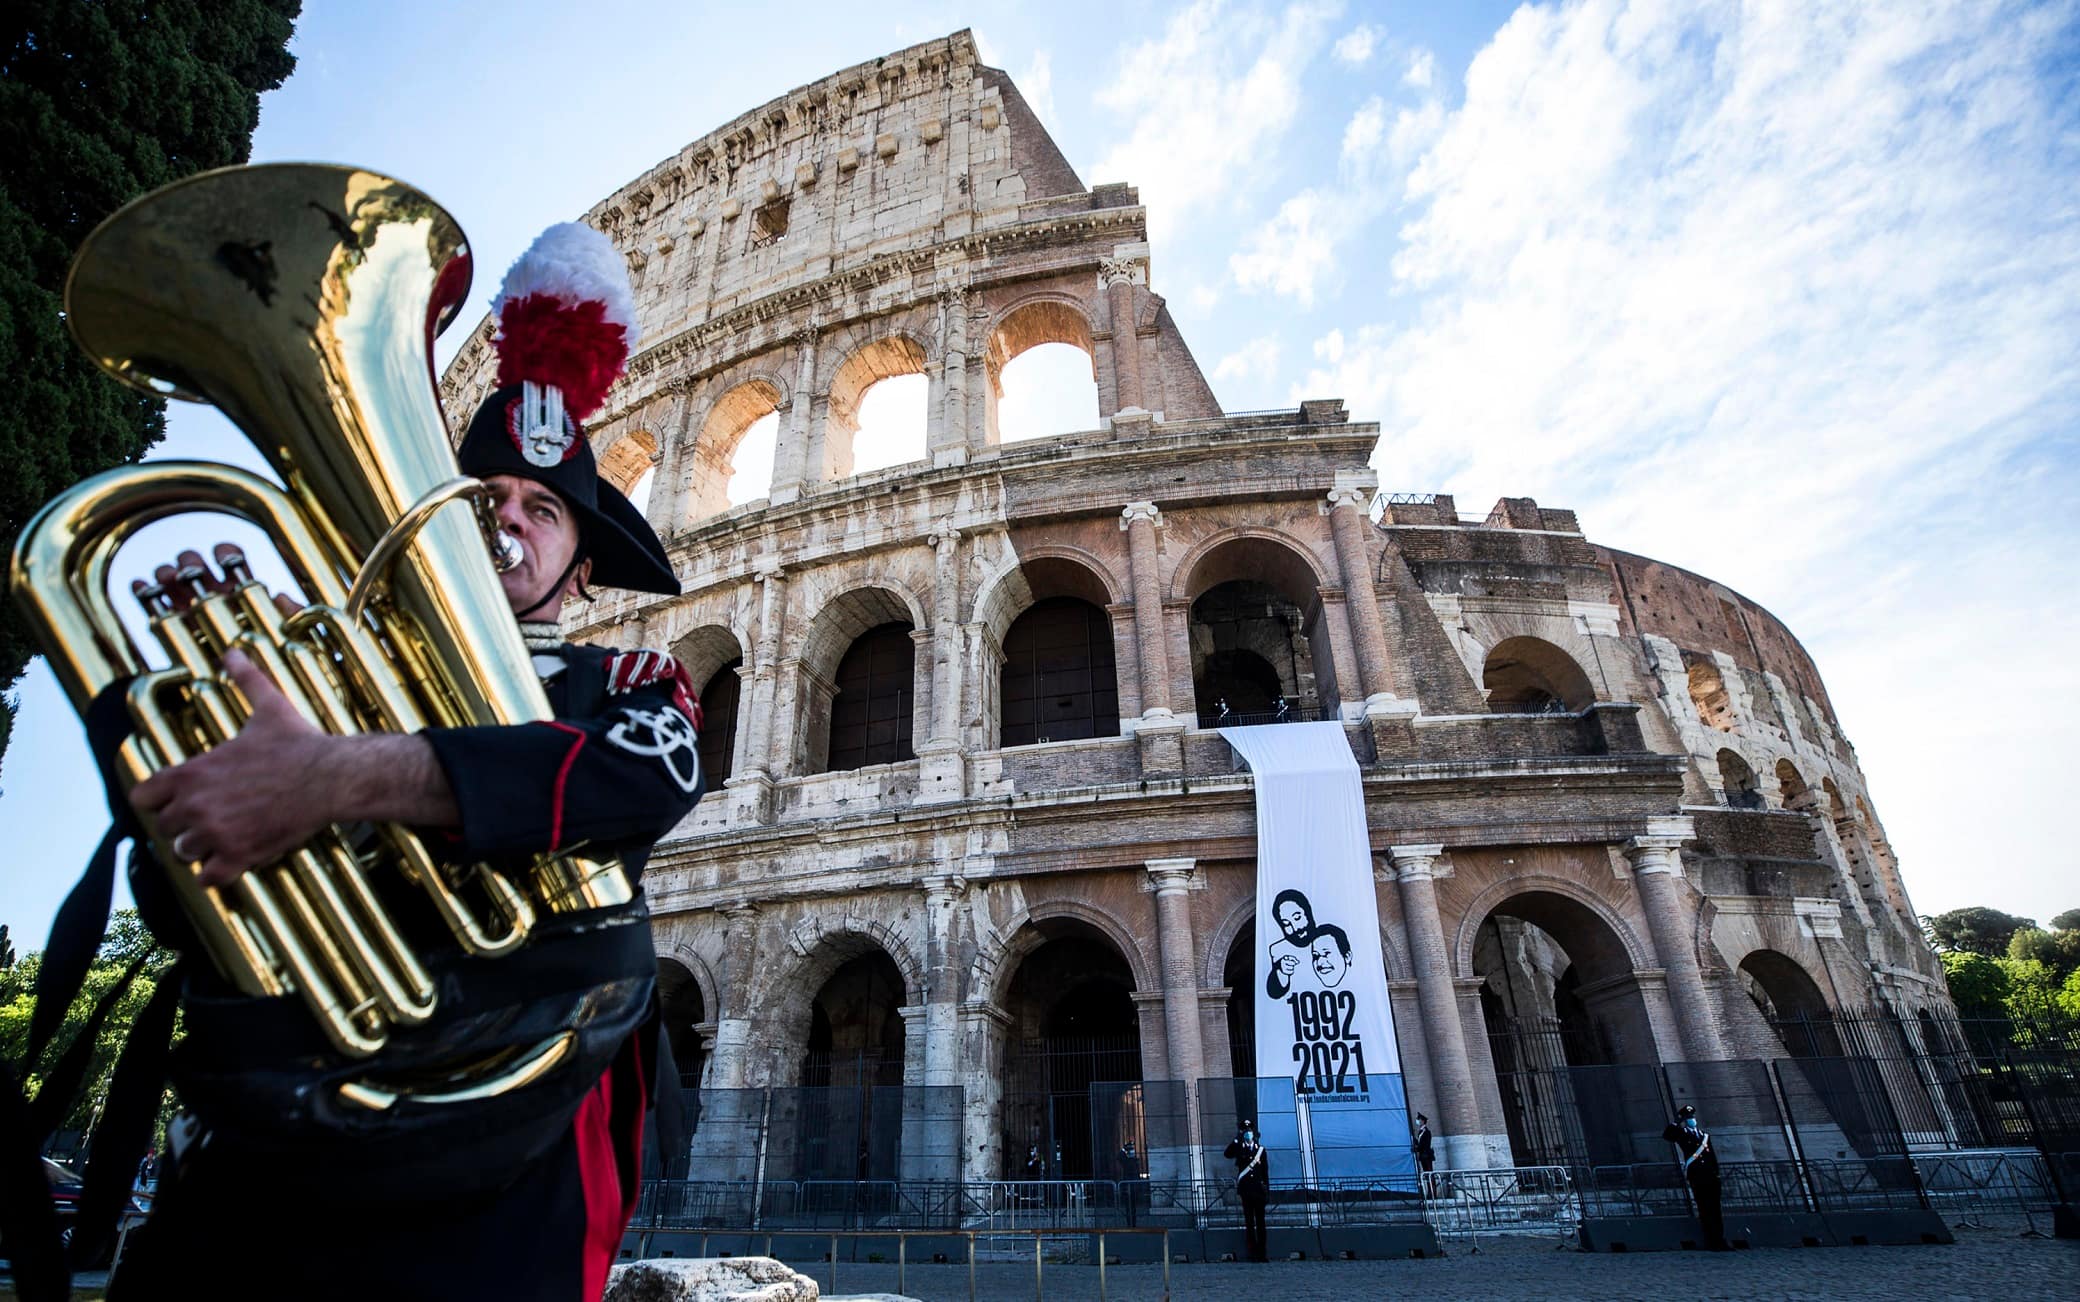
(1981, 1264)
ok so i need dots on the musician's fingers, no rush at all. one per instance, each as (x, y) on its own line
(155, 793)
(218, 871)
(166, 576)
(253, 683)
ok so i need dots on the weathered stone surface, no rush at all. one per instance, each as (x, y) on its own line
(1557, 716)
(709, 1279)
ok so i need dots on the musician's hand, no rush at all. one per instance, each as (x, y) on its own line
(181, 591)
(252, 799)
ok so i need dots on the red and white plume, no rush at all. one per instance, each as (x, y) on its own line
(566, 325)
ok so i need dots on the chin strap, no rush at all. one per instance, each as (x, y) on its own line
(556, 589)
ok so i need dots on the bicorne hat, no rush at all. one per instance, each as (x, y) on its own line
(566, 324)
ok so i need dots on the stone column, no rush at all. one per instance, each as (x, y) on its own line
(751, 784)
(1172, 882)
(732, 1054)
(946, 434)
(1460, 1142)
(941, 776)
(1140, 520)
(791, 455)
(1118, 276)
(942, 1049)
(1348, 525)
(1655, 868)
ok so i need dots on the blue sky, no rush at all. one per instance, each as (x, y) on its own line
(1787, 294)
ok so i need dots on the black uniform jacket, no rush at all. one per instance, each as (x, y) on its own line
(1257, 1183)
(612, 773)
(1689, 1141)
(616, 768)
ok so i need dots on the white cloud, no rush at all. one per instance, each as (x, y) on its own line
(1787, 295)
(1207, 99)
(1355, 46)
(1422, 70)
(1255, 361)
(1363, 133)
(1289, 253)
(1036, 83)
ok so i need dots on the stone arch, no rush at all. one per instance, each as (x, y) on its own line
(1737, 779)
(1787, 982)
(1529, 675)
(627, 461)
(822, 948)
(1630, 954)
(1791, 785)
(722, 430)
(996, 960)
(706, 649)
(1038, 572)
(1836, 806)
(852, 612)
(1282, 560)
(1222, 939)
(882, 358)
(1708, 692)
(697, 969)
(1045, 318)
(1259, 644)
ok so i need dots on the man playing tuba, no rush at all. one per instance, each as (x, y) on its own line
(525, 1197)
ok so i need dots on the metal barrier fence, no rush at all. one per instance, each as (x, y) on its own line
(1462, 1205)
(903, 1238)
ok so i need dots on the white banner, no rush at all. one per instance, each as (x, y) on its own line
(1323, 1021)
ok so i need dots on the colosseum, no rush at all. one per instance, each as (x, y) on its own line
(972, 894)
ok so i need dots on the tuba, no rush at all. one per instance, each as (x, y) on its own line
(303, 301)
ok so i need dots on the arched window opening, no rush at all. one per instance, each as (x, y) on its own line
(751, 470)
(1563, 1061)
(1253, 656)
(1791, 788)
(1791, 1002)
(846, 1126)
(732, 460)
(718, 743)
(639, 495)
(628, 460)
(875, 695)
(877, 413)
(856, 1025)
(1708, 692)
(682, 1011)
(1528, 675)
(1239, 974)
(1043, 375)
(1072, 1059)
(1048, 390)
(1738, 781)
(1059, 682)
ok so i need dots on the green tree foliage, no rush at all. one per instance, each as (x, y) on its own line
(2067, 921)
(1976, 930)
(1978, 984)
(2058, 951)
(100, 100)
(126, 940)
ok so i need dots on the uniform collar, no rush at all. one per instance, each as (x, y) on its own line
(541, 634)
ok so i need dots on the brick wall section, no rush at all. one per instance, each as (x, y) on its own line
(1034, 155)
(1692, 611)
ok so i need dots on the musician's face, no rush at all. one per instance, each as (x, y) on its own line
(547, 530)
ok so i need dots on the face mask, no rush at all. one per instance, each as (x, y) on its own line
(1689, 1123)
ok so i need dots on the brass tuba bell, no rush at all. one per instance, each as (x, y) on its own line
(303, 301)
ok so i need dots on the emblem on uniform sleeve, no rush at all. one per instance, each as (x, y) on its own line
(665, 735)
(671, 733)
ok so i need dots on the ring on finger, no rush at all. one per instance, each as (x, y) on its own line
(184, 848)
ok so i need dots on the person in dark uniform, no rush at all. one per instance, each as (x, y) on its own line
(1700, 1172)
(1253, 1183)
(1424, 1147)
(526, 1197)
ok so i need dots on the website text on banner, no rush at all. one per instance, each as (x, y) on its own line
(1324, 1028)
